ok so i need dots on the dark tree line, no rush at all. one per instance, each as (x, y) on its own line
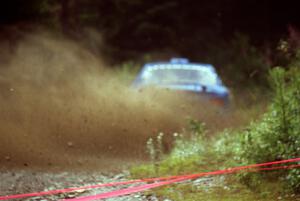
(141, 26)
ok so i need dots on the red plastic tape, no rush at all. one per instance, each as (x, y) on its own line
(162, 179)
(145, 187)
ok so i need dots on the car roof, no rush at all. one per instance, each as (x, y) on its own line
(178, 63)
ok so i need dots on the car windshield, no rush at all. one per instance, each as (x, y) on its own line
(168, 76)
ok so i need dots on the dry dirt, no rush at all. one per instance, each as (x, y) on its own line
(25, 181)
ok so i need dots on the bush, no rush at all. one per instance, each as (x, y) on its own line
(277, 135)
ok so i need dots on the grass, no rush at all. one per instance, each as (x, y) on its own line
(228, 192)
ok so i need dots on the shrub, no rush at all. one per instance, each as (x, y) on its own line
(277, 135)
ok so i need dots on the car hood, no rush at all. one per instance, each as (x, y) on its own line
(217, 90)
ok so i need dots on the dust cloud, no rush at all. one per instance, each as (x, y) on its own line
(60, 105)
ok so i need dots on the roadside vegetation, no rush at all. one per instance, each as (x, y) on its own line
(272, 135)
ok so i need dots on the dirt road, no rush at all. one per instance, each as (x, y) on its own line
(27, 181)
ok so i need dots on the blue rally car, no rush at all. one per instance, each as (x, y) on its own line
(180, 75)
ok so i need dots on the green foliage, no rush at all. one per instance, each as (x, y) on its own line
(217, 191)
(276, 136)
(197, 129)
